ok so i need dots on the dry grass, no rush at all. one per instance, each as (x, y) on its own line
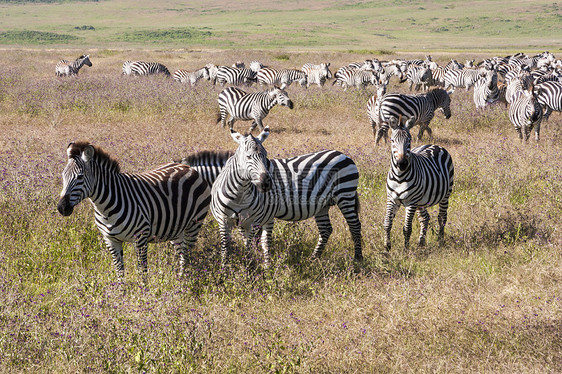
(488, 300)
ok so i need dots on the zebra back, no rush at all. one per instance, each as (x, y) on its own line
(208, 163)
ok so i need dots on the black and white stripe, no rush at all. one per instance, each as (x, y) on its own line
(208, 163)
(465, 77)
(250, 106)
(317, 74)
(525, 113)
(147, 68)
(70, 68)
(550, 97)
(191, 77)
(422, 107)
(281, 77)
(167, 203)
(419, 77)
(417, 179)
(486, 89)
(235, 76)
(252, 190)
(373, 112)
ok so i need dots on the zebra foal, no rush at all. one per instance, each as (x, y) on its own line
(418, 178)
(252, 190)
(165, 204)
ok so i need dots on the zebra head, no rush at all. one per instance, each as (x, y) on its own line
(251, 158)
(85, 60)
(77, 177)
(400, 141)
(281, 98)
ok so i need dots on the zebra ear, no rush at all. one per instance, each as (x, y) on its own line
(87, 153)
(264, 134)
(410, 122)
(68, 151)
(393, 123)
(236, 136)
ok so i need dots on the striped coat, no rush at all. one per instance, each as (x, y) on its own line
(165, 204)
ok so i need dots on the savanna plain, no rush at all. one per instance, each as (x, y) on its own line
(487, 300)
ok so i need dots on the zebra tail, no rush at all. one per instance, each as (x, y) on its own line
(357, 204)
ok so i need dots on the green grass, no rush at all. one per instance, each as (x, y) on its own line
(320, 25)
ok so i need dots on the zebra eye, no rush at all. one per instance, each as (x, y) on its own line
(80, 176)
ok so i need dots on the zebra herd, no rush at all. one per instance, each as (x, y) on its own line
(247, 189)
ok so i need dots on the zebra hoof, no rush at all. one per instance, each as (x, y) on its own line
(421, 243)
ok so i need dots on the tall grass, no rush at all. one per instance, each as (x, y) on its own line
(488, 300)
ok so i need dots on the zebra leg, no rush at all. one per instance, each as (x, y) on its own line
(231, 122)
(226, 238)
(266, 233)
(537, 131)
(184, 246)
(424, 220)
(116, 249)
(351, 215)
(324, 230)
(391, 209)
(519, 131)
(142, 255)
(442, 218)
(407, 230)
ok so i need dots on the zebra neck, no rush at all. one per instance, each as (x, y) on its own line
(77, 64)
(107, 189)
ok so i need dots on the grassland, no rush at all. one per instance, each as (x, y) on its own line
(312, 25)
(488, 300)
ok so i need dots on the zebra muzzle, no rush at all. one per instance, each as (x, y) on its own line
(290, 104)
(264, 183)
(64, 206)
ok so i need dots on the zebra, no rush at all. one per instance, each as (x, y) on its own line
(252, 190)
(68, 68)
(281, 78)
(525, 113)
(365, 65)
(486, 89)
(417, 178)
(126, 68)
(419, 77)
(250, 106)
(207, 163)
(461, 78)
(185, 76)
(148, 68)
(550, 97)
(167, 203)
(255, 66)
(317, 74)
(516, 83)
(213, 70)
(373, 110)
(235, 76)
(422, 107)
(356, 78)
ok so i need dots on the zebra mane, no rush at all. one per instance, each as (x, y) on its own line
(76, 149)
(207, 157)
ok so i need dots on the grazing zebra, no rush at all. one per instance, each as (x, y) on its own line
(317, 74)
(419, 77)
(417, 178)
(252, 190)
(167, 203)
(525, 113)
(148, 68)
(365, 65)
(250, 106)
(486, 89)
(550, 97)
(422, 107)
(461, 78)
(68, 68)
(185, 76)
(207, 163)
(235, 76)
(281, 78)
(126, 69)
